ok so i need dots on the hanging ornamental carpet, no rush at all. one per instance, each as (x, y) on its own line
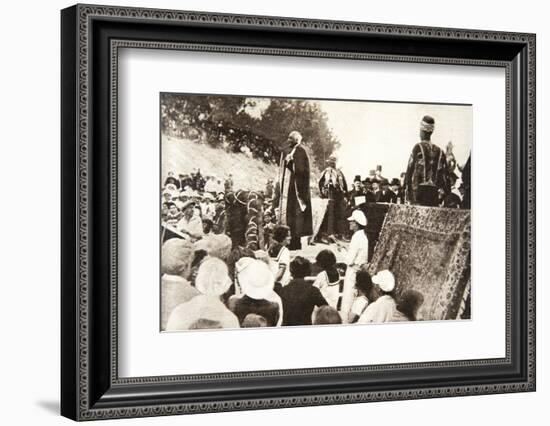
(428, 250)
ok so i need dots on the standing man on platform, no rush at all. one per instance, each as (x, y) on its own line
(427, 170)
(333, 186)
(295, 196)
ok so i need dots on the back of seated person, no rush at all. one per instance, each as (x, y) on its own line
(326, 315)
(254, 320)
(244, 306)
(300, 297)
(256, 283)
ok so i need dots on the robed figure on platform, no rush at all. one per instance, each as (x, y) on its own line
(333, 186)
(427, 170)
(295, 196)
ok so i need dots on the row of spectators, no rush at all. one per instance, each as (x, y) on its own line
(242, 288)
(207, 285)
(381, 190)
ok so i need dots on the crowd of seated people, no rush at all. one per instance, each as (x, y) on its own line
(205, 283)
(193, 205)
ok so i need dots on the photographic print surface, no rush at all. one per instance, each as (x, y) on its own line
(299, 212)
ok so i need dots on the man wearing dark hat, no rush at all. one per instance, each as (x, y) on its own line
(378, 173)
(394, 191)
(375, 187)
(333, 186)
(295, 197)
(384, 194)
(185, 181)
(427, 170)
(357, 194)
(198, 181)
(369, 193)
(171, 179)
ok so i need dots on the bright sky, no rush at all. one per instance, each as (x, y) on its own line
(373, 133)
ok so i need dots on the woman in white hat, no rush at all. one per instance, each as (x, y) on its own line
(256, 283)
(358, 252)
(384, 308)
(212, 282)
(174, 285)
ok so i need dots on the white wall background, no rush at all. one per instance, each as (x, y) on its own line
(29, 225)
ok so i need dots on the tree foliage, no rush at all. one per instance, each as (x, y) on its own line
(227, 121)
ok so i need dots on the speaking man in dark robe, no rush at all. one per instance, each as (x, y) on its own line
(427, 170)
(295, 197)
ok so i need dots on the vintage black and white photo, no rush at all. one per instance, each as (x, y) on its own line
(281, 212)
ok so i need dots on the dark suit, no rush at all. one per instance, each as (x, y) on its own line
(186, 182)
(384, 197)
(466, 180)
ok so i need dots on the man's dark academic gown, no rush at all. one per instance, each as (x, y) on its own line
(295, 181)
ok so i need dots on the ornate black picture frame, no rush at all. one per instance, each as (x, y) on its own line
(91, 36)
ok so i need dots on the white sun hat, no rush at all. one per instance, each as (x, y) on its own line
(213, 277)
(255, 278)
(359, 217)
(385, 280)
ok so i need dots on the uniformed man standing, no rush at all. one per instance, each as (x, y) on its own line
(427, 170)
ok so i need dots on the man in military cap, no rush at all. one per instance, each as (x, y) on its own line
(333, 186)
(295, 197)
(427, 170)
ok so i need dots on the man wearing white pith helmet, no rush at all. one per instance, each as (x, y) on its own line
(358, 252)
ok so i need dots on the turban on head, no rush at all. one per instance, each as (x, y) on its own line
(427, 124)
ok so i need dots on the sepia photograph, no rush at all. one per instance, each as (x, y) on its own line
(278, 212)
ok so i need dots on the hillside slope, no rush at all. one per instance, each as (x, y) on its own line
(183, 155)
